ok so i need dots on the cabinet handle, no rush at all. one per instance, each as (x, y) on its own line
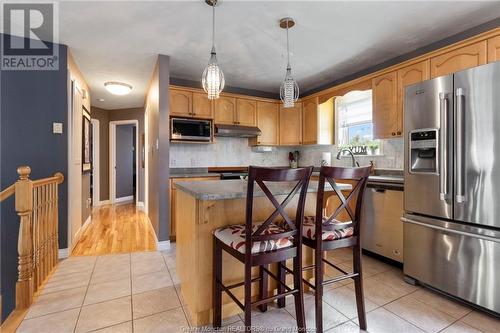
(393, 133)
(399, 132)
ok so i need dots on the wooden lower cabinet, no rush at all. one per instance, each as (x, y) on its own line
(494, 49)
(459, 59)
(268, 123)
(173, 192)
(291, 125)
(385, 106)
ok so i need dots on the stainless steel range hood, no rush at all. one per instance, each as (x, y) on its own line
(237, 131)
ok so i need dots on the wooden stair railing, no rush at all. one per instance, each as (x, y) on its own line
(36, 205)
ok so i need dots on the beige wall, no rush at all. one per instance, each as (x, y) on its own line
(105, 116)
(75, 74)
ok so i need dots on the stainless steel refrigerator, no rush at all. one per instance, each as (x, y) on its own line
(452, 184)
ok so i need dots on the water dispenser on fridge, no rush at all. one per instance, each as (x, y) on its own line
(423, 151)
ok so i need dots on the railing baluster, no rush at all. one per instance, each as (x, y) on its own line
(24, 208)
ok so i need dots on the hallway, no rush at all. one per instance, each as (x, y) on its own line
(116, 229)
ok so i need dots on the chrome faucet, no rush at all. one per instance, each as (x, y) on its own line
(354, 162)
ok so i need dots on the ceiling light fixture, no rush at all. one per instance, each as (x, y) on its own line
(289, 89)
(212, 78)
(118, 88)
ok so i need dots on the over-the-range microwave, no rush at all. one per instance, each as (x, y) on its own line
(196, 130)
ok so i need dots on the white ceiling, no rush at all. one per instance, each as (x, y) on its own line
(119, 41)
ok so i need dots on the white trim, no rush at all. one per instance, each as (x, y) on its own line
(146, 160)
(112, 157)
(63, 253)
(103, 202)
(123, 199)
(81, 230)
(140, 205)
(96, 172)
(163, 246)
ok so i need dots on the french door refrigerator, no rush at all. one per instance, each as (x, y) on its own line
(452, 184)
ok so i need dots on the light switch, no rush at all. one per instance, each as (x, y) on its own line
(57, 128)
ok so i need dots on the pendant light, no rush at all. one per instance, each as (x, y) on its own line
(289, 90)
(213, 78)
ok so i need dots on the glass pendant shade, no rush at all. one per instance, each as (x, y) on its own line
(289, 90)
(213, 79)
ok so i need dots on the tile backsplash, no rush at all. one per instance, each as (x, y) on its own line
(392, 155)
(225, 152)
(236, 152)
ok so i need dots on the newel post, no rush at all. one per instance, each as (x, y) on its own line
(24, 208)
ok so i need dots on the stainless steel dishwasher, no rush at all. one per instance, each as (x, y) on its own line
(381, 227)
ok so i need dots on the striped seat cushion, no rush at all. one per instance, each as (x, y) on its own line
(234, 236)
(309, 230)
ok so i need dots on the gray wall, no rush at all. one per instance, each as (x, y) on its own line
(124, 160)
(157, 148)
(30, 101)
(105, 116)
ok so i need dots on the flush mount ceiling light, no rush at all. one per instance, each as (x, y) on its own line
(212, 78)
(118, 88)
(289, 89)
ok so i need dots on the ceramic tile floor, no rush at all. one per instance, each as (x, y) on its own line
(138, 293)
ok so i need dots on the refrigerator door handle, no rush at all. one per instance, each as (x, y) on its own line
(460, 145)
(443, 146)
(451, 231)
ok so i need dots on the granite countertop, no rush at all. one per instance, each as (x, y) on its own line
(235, 189)
(191, 172)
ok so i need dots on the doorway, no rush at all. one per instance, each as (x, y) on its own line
(123, 161)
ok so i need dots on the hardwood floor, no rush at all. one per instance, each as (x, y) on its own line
(116, 229)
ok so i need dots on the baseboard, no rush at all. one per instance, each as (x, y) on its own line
(63, 253)
(80, 231)
(140, 205)
(163, 245)
(103, 202)
(124, 199)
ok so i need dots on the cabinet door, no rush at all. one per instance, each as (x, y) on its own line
(246, 112)
(494, 49)
(310, 121)
(225, 110)
(267, 121)
(407, 76)
(202, 106)
(385, 111)
(181, 102)
(460, 59)
(291, 125)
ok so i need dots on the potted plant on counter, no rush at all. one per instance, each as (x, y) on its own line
(293, 158)
(373, 146)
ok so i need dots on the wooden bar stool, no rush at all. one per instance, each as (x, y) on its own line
(261, 244)
(324, 233)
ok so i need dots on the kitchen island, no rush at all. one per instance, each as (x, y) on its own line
(203, 206)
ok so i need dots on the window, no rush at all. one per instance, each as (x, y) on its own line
(354, 122)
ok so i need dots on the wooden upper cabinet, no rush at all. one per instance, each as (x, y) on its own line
(268, 123)
(246, 112)
(225, 110)
(407, 76)
(291, 125)
(310, 121)
(180, 102)
(202, 106)
(494, 49)
(385, 109)
(459, 59)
